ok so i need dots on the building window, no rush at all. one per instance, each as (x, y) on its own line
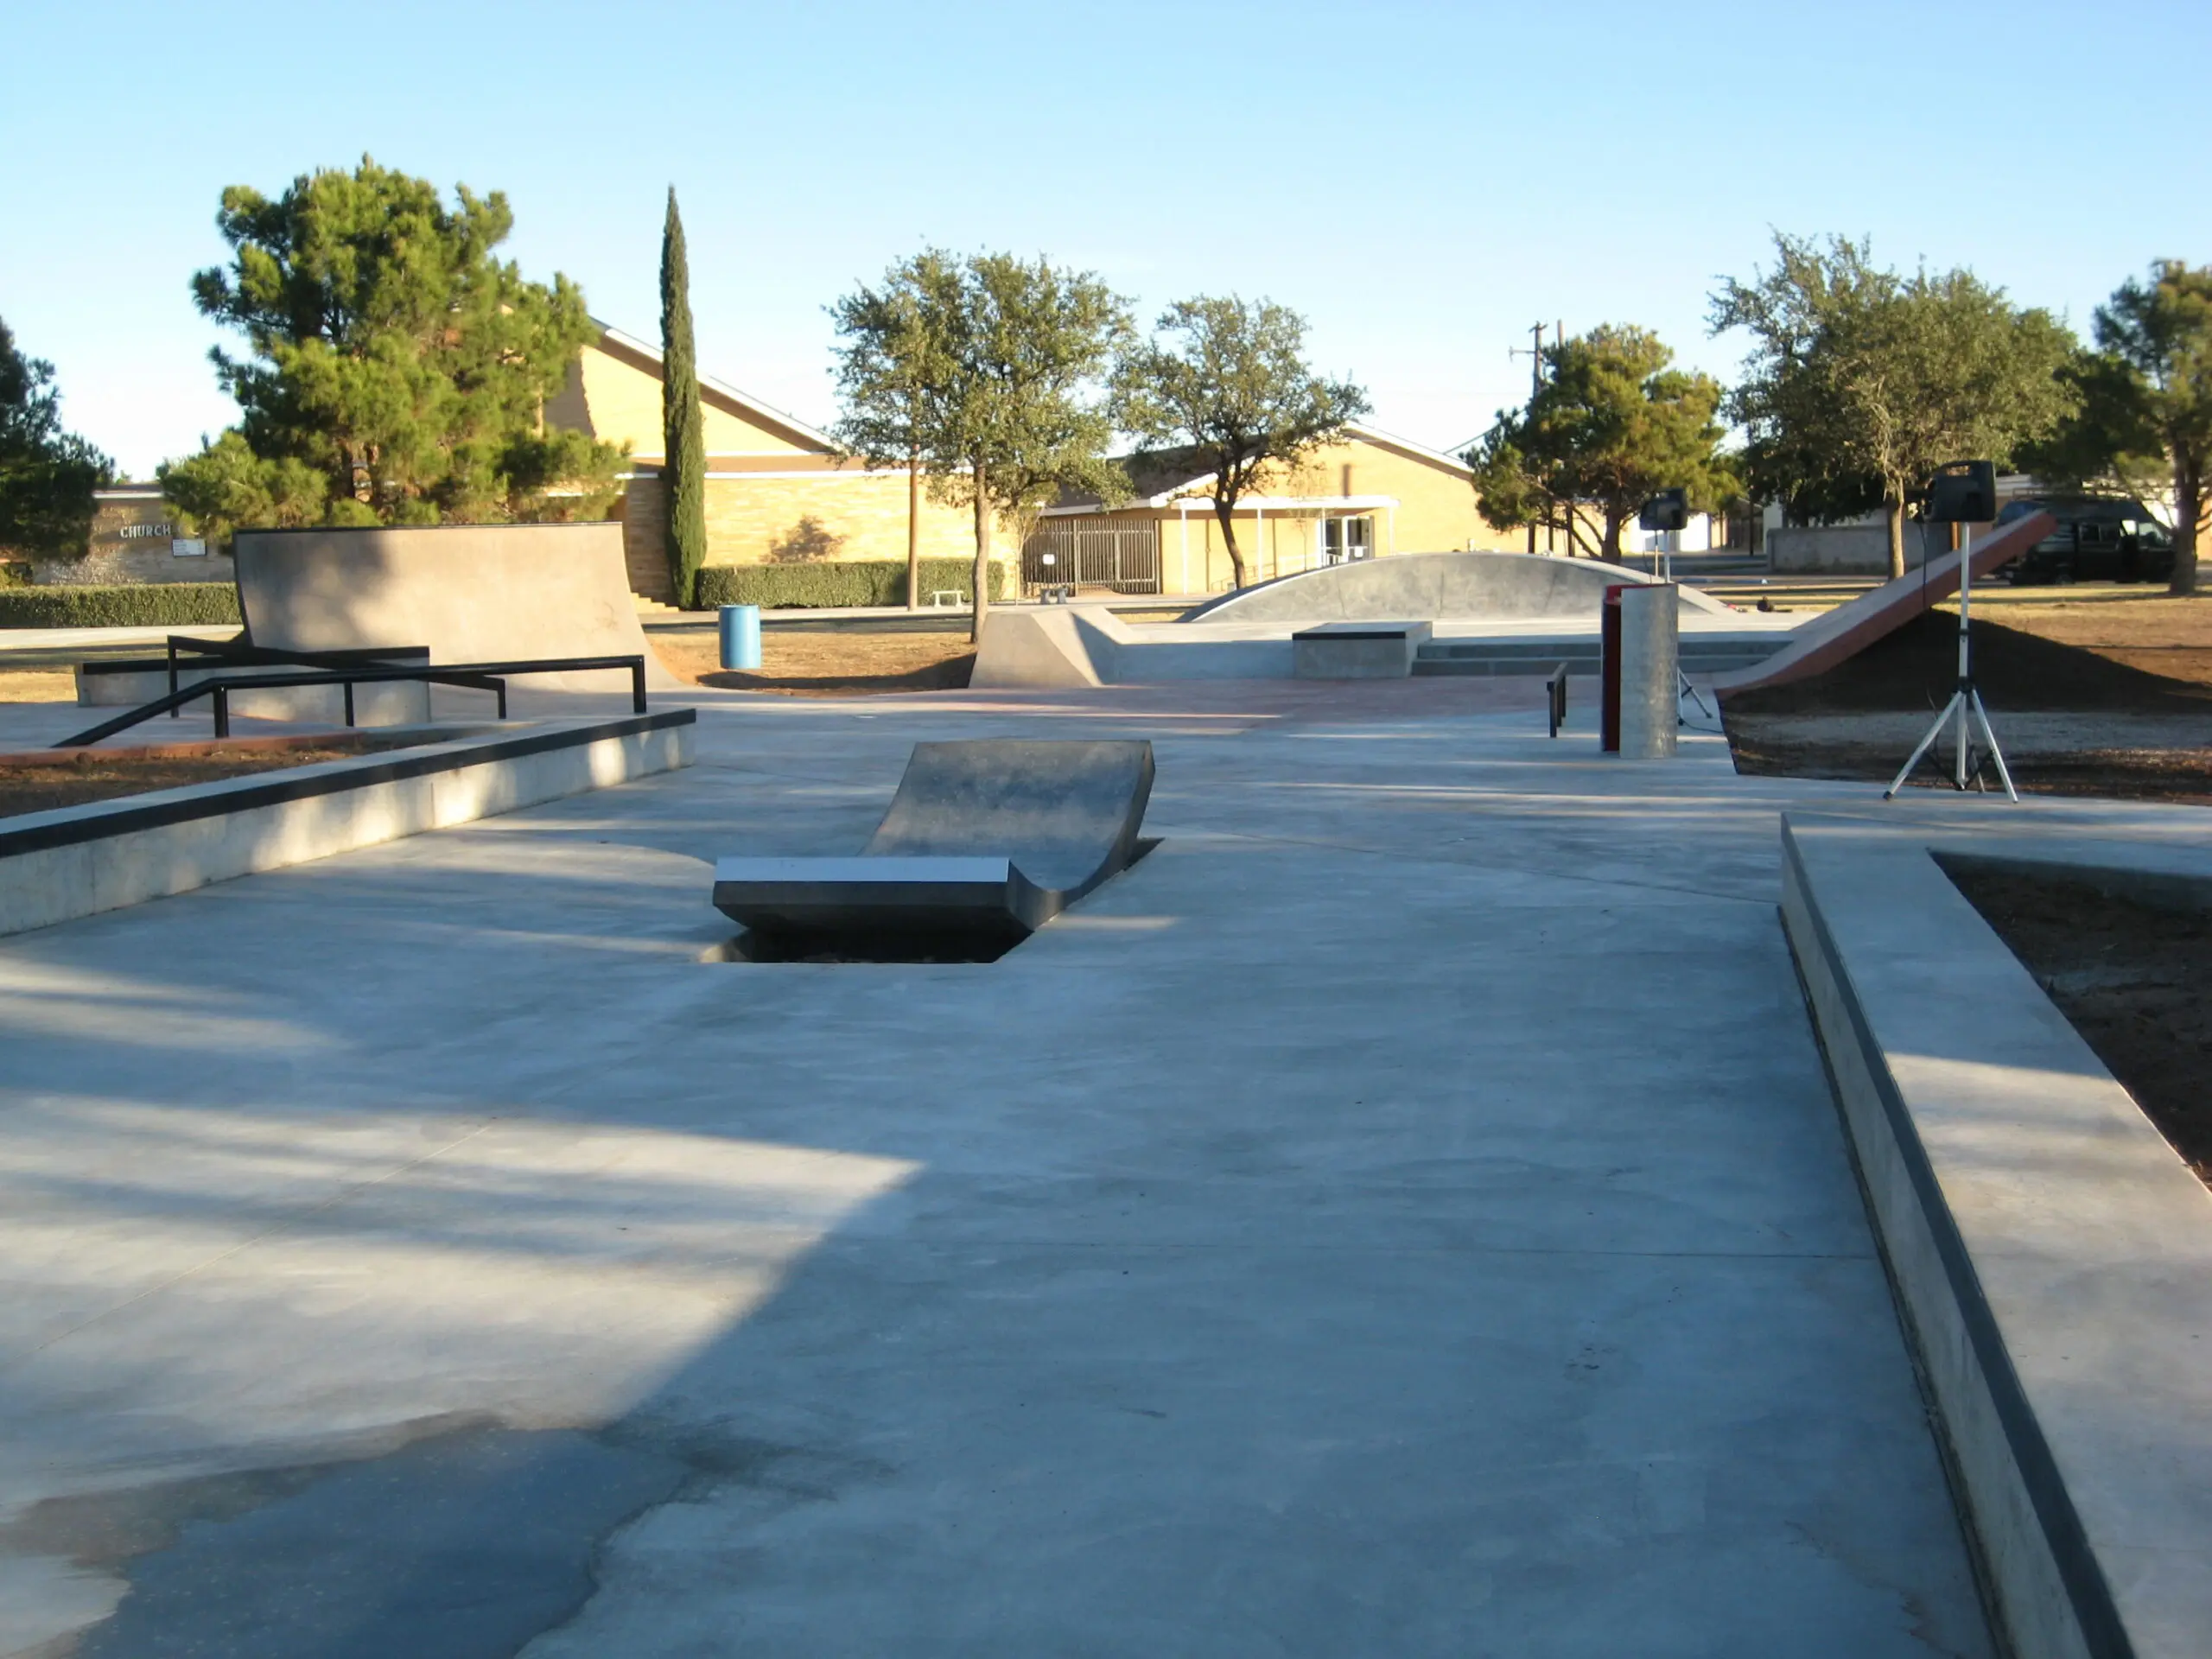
(1343, 540)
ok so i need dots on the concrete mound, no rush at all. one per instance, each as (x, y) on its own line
(1431, 586)
(471, 592)
(985, 842)
(1819, 644)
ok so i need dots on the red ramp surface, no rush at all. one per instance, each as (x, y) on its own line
(1844, 632)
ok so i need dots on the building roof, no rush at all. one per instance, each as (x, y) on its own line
(740, 402)
(1159, 476)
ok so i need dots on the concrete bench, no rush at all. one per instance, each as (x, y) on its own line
(1358, 650)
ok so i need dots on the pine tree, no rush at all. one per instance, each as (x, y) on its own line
(684, 463)
(399, 370)
(47, 475)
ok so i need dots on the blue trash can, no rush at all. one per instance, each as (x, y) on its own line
(741, 626)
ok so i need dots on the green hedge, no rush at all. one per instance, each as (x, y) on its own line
(155, 604)
(828, 586)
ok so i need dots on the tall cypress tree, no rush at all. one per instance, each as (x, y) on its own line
(684, 465)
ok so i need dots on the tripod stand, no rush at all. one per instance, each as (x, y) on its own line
(1964, 711)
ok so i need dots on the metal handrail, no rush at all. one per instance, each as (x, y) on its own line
(236, 650)
(481, 677)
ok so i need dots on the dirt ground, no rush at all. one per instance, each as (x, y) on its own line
(2093, 695)
(37, 686)
(832, 659)
(89, 775)
(2131, 977)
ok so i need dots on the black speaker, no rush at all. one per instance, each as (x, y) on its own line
(1964, 493)
(1668, 510)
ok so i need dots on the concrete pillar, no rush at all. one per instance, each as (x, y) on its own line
(1649, 710)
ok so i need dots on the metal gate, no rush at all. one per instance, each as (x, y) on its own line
(1122, 554)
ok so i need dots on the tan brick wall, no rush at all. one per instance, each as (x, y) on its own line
(617, 400)
(848, 514)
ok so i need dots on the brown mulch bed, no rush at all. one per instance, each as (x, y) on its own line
(2015, 669)
(2087, 659)
(2134, 980)
(40, 782)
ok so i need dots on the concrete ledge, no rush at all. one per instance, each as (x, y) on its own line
(1358, 650)
(81, 860)
(2051, 1252)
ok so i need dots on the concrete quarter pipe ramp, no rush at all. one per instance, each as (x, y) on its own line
(471, 592)
(985, 842)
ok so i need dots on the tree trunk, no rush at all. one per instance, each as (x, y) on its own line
(913, 532)
(981, 604)
(1221, 512)
(1609, 549)
(2189, 504)
(1893, 513)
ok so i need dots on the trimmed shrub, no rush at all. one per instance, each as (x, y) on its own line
(154, 605)
(835, 585)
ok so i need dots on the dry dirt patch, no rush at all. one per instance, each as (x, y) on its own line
(2133, 977)
(38, 685)
(838, 660)
(76, 778)
(2109, 696)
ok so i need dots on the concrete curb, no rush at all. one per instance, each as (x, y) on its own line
(2047, 1247)
(81, 860)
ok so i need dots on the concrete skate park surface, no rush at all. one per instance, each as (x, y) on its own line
(994, 834)
(2053, 1251)
(1404, 1214)
(471, 592)
(1524, 611)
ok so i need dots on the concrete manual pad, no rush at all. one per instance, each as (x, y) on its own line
(993, 837)
(1402, 1215)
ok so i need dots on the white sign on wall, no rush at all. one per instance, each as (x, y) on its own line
(188, 546)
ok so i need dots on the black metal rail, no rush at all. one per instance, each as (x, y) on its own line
(244, 652)
(480, 677)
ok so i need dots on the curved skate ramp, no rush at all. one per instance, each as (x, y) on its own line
(1429, 587)
(985, 841)
(471, 592)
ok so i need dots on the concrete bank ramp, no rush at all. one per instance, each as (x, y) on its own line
(985, 842)
(471, 592)
(1431, 586)
(1834, 635)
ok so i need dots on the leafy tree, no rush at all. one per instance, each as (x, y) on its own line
(2142, 421)
(47, 475)
(393, 358)
(684, 422)
(1861, 383)
(1229, 386)
(894, 352)
(1611, 425)
(980, 369)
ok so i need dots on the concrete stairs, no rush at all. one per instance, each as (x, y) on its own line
(653, 607)
(1699, 655)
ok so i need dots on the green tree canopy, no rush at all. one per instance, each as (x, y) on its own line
(684, 422)
(2142, 419)
(1226, 381)
(985, 370)
(1611, 425)
(397, 372)
(47, 475)
(1860, 382)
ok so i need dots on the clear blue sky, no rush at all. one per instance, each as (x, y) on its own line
(1421, 181)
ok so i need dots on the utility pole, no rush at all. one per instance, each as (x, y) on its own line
(1535, 356)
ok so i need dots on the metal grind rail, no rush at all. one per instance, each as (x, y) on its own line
(480, 677)
(239, 652)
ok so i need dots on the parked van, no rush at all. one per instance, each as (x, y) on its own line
(2099, 538)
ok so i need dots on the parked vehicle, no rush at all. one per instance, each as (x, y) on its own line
(2098, 539)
